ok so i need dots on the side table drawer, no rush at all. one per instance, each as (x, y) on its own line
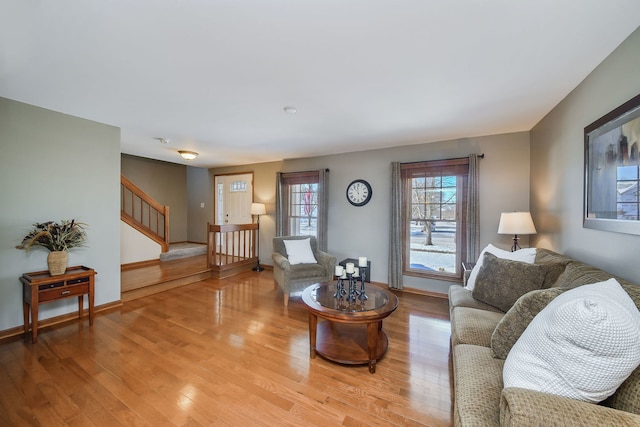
(63, 292)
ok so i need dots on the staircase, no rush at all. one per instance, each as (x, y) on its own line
(180, 264)
(183, 250)
(143, 213)
(162, 276)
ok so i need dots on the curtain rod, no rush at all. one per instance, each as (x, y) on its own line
(434, 160)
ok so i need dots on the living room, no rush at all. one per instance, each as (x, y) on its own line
(56, 165)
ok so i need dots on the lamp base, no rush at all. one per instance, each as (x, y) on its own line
(257, 268)
(515, 246)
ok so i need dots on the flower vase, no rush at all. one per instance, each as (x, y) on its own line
(57, 261)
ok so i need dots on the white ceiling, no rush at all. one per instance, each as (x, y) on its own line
(213, 76)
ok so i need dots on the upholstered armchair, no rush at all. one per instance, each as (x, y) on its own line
(295, 271)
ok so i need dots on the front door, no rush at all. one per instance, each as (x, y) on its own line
(234, 194)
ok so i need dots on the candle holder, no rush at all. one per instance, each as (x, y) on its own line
(340, 292)
(353, 289)
(362, 296)
(349, 290)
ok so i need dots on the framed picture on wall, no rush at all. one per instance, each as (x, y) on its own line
(612, 170)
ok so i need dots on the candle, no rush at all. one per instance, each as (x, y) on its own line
(344, 274)
(356, 272)
(338, 270)
(350, 269)
(362, 261)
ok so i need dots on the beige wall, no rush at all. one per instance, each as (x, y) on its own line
(167, 184)
(557, 165)
(264, 191)
(199, 193)
(364, 231)
(55, 166)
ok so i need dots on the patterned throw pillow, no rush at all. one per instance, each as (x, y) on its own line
(513, 324)
(527, 255)
(501, 282)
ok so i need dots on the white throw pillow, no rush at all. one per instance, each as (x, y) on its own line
(583, 345)
(527, 255)
(299, 251)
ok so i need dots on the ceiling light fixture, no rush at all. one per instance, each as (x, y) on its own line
(188, 155)
(290, 110)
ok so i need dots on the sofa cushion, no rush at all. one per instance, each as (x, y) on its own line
(477, 386)
(473, 326)
(462, 297)
(547, 256)
(501, 282)
(583, 345)
(513, 324)
(627, 396)
(577, 274)
(527, 255)
(306, 271)
(555, 262)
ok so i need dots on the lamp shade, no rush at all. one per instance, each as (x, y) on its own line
(258, 209)
(516, 223)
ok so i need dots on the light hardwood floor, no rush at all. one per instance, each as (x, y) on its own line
(224, 352)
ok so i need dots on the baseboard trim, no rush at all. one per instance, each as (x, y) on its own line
(425, 293)
(19, 330)
(139, 264)
(414, 291)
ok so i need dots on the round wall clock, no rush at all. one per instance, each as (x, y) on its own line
(359, 192)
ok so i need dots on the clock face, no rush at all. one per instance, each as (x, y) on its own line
(359, 192)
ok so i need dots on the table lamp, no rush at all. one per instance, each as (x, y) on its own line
(516, 223)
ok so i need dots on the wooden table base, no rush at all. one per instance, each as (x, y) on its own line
(349, 344)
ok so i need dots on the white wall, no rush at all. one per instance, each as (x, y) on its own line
(557, 166)
(135, 246)
(54, 166)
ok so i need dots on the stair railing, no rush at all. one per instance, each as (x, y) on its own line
(143, 213)
(231, 246)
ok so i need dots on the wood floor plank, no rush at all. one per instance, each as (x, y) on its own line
(223, 352)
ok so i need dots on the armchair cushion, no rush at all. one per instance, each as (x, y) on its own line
(299, 252)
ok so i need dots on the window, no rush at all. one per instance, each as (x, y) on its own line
(434, 211)
(238, 186)
(627, 200)
(301, 203)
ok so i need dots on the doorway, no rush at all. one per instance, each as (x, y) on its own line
(233, 194)
(232, 198)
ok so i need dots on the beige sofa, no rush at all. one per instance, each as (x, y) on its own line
(481, 399)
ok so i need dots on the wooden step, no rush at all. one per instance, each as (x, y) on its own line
(183, 250)
(148, 280)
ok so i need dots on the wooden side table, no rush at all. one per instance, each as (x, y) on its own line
(466, 271)
(40, 287)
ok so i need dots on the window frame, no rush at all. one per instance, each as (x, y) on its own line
(299, 178)
(458, 167)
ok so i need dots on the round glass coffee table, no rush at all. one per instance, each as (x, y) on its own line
(351, 332)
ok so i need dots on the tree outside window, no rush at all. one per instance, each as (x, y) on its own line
(434, 205)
